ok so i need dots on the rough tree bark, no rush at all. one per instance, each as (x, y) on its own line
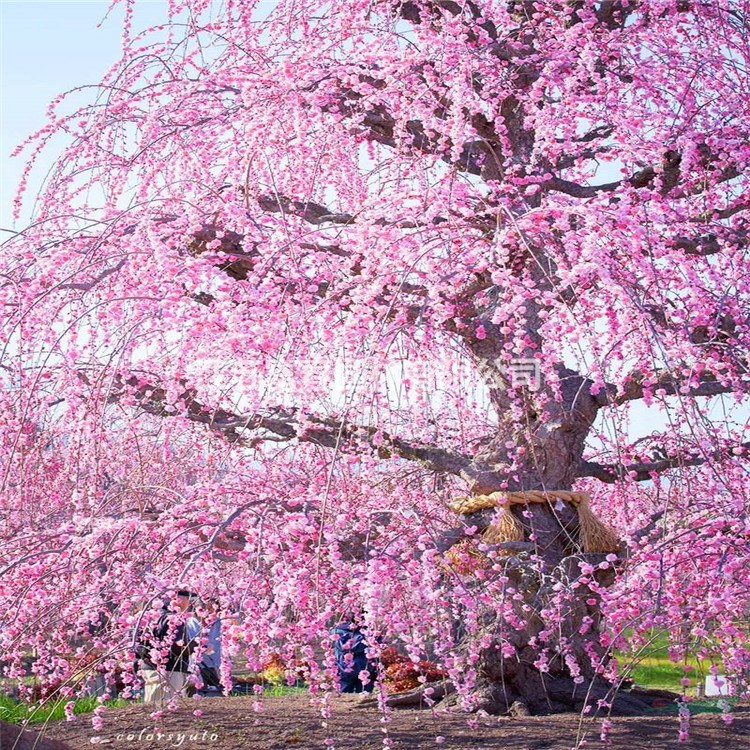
(553, 439)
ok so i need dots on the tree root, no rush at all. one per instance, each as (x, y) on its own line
(423, 696)
(558, 695)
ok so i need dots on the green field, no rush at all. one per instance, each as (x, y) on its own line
(16, 712)
(651, 666)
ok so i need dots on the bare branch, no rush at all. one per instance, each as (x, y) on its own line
(669, 173)
(726, 213)
(601, 131)
(573, 157)
(315, 214)
(557, 184)
(89, 285)
(713, 242)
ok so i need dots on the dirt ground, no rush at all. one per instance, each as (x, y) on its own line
(292, 722)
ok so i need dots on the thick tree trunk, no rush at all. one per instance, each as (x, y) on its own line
(510, 667)
(553, 663)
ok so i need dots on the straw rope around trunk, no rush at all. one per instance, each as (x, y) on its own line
(595, 536)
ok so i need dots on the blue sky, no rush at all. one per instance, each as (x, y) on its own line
(47, 47)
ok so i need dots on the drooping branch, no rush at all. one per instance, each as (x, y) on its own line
(644, 470)
(483, 156)
(243, 255)
(242, 261)
(722, 333)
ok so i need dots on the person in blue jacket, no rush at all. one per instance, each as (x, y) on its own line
(205, 628)
(350, 651)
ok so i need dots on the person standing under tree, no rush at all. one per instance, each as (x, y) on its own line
(206, 630)
(165, 681)
(356, 672)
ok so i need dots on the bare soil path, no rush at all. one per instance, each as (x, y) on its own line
(292, 722)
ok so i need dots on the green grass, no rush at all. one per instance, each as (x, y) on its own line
(651, 667)
(280, 689)
(653, 672)
(16, 712)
